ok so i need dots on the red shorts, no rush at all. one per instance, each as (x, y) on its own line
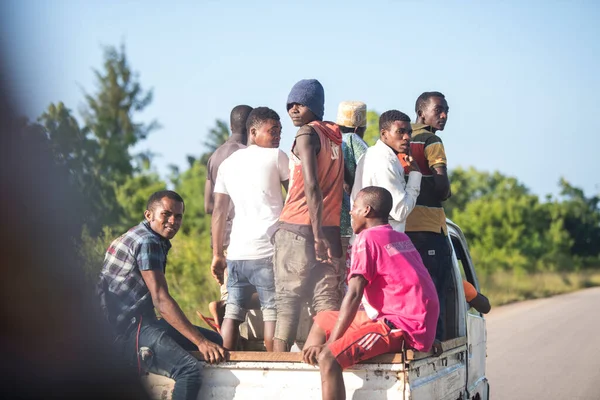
(364, 338)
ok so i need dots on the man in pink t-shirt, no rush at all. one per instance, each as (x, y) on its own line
(399, 296)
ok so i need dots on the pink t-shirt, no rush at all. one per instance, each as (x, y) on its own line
(399, 287)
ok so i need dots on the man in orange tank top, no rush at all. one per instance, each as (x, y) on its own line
(307, 242)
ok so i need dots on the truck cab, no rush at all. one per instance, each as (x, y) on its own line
(457, 373)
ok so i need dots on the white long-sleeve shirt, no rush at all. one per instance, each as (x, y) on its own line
(380, 166)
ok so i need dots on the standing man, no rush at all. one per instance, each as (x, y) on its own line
(307, 242)
(251, 180)
(236, 141)
(380, 167)
(388, 271)
(132, 284)
(352, 120)
(426, 225)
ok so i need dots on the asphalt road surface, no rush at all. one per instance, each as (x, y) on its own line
(546, 349)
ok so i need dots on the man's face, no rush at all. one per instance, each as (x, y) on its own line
(397, 137)
(358, 215)
(300, 114)
(435, 113)
(267, 134)
(165, 219)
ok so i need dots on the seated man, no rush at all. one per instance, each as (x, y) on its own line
(399, 295)
(251, 180)
(132, 283)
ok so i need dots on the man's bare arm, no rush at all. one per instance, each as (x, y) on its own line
(218, 224)
(442, 183)
(481, 304)
(209, 200)
(171, 312)
(307, 147)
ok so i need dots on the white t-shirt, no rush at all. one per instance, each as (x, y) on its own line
(252, 178)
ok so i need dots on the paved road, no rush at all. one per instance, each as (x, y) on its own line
(546, 349)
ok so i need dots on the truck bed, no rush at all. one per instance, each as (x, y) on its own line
(261, 375)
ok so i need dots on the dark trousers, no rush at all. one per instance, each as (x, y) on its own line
(168, 354)
(436, 253)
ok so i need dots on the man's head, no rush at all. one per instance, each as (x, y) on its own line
(264, 127)
(237, 120)
(352, 117)
(371, 208)
(306, 102)
(432, 109)
(395, 130)
(164, 213)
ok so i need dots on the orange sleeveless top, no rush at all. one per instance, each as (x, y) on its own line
(330, 176)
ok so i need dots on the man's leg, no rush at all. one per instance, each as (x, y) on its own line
(169, 359)
(332, 379)
(260, 275)
(239, 291)
(293, 262)
(325, 280)
(316, 337)
(435, 252)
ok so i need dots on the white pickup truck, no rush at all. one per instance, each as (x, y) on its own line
(458, 373)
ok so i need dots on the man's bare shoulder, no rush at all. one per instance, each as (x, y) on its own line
(305, 130)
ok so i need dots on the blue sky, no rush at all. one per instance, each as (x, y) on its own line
(521, 80)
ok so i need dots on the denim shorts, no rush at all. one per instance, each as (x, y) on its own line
(245, 277)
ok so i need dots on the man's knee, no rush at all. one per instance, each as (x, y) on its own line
(327, 361)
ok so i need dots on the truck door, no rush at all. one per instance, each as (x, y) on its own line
(477, 384)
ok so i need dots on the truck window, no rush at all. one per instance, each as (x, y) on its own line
(466, 269)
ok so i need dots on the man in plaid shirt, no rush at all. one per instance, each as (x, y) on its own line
(132, 283)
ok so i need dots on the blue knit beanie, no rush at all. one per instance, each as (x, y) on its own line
(309, 93)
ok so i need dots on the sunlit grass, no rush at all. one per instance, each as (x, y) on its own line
(505, 287)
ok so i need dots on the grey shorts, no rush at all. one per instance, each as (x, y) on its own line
(299, 275)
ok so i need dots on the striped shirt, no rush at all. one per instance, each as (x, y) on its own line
(428, 151)
(123, 292)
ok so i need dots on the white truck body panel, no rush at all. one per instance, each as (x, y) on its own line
(275, 381)
(458, 373)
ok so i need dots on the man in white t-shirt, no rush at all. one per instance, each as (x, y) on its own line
(381, 167)
(251, 178)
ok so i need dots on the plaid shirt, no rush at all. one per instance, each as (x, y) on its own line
(122, 290)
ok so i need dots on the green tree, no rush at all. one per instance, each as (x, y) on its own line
(190, 185)
(109, 115)
(372, 132)
(471, 184)
(132, 196)
(216, 137)
(581, 218)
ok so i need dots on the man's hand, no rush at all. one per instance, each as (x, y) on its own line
(410, 163)
(437, 348)
(311, 354)
(323, 250)
(211, 352)
(217, 268)
(347, 188)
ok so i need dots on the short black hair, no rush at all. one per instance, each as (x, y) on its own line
(238, 118)
(423, 99)
(380, 200)
(387, 118)
(260, 115)
(156, 197)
